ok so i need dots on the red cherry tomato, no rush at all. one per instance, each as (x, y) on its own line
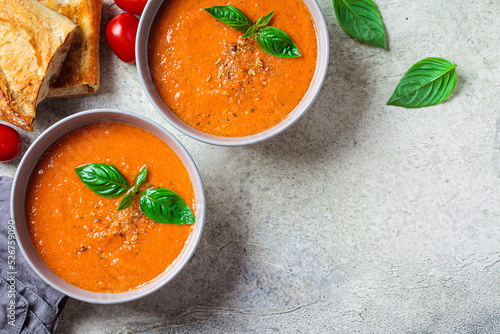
(132, 6)
(120, 34)
(10, 143)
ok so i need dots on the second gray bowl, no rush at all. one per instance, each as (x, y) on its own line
(141, 50)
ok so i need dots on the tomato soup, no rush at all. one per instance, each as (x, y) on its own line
(80, 235)
(221, 84)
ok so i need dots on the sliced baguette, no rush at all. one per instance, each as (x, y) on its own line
(34, 42)
(80, 73)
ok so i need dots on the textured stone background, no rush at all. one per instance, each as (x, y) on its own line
(361, 218)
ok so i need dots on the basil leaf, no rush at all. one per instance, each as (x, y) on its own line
(127, 200)
(261, 23)
(140, 178)
(104, 180)
(250, 32)
(264, 20)
(231, 16)
(164, 206)
(276, 42)
(428, 82)
(361, 19)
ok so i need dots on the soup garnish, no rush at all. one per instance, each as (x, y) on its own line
(160, 204)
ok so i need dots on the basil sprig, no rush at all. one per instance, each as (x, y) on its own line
(361, 19)
(270, 39)
(428, 82)
(104, 180)
(164, 206)
(160, 204)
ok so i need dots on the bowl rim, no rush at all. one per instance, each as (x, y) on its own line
(19, 186)
(323, 55)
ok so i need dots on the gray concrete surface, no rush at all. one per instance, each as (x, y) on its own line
(361, 218)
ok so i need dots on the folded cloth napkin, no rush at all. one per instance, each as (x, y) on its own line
(28, 304)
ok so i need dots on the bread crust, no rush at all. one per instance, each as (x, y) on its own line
(34, 41)
(80, 73)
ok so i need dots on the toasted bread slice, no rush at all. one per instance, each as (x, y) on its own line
(80, 73)
(34, 42)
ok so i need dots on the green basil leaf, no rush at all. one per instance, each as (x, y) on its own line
(264, 20)
(428, 82)
(276, 42)
(261, 23)
(250, 32)
(231, 16)
(140, 178)
(127, 200)
(361, 19)
(104, 180)
(164, 206)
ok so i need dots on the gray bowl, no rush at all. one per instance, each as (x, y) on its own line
(18, 203)
(141, 50)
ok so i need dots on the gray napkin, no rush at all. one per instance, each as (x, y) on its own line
(29, 304)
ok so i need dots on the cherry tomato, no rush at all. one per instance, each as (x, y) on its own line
(10, 143)
(120, 34)
(132, 6)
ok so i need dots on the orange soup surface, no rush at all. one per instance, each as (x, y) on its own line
(80, 235)
(223, 85)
